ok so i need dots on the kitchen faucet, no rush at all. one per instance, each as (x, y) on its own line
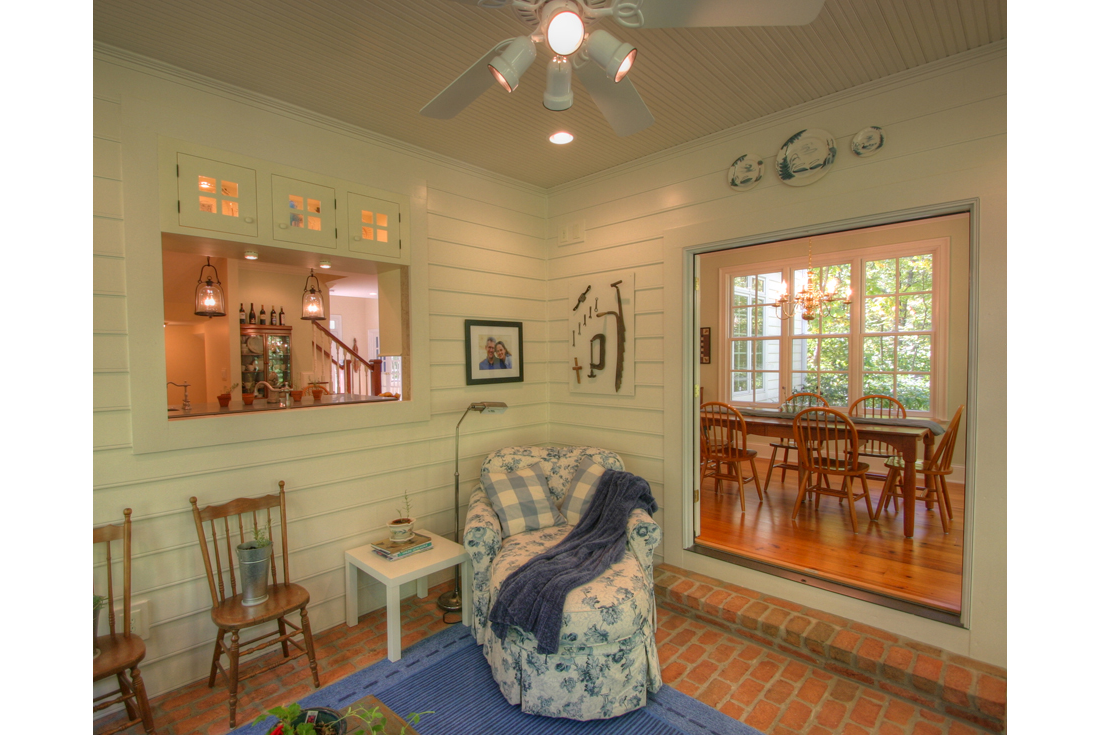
(284, 398)
(186, 401)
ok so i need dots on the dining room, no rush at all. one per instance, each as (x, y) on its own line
(833, 381)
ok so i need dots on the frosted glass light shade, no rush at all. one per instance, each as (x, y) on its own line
(565, 30)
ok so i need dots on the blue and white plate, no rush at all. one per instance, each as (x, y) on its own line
(745, 172)
(867, 141)
(805, 157)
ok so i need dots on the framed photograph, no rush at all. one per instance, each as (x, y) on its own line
(494, 352)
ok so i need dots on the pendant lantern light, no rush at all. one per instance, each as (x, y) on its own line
(209, 299)
(313, 306)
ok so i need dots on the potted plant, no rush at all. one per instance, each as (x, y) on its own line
(226, 394)
(296, 393)
(401, 528)
(97, 604)
(291, 720)
(247, 397)
(255, 559)
(317, 387)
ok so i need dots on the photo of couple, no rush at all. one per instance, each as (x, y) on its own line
(497, 356)
(494, 352)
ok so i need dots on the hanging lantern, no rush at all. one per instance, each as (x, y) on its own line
(209, 299)
(313, 306)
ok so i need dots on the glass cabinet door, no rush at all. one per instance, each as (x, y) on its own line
(252, 361)
(278, 359)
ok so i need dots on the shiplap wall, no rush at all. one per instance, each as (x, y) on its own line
(485, 241)
(945, 128)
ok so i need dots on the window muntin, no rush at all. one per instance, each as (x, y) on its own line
(754, 335)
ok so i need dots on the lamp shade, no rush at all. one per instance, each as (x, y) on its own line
(313, 305)
(558, 95)
(209, 298)
(613, 56)
(564, 27)
(509, 66)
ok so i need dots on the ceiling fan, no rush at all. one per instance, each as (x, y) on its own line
(600, 60)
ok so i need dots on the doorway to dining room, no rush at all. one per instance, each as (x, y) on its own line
(903, 332)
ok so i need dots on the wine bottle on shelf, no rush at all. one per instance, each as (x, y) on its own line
(263, 315)
(244, 317)
(251, 313)
(282, 319)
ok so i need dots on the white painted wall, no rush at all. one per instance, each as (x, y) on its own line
(945, 130)
(484, 252)
(480, 244)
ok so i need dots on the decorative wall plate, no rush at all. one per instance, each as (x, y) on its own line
(805, 157)
(867, 141)
(255, 344)
(745, 172)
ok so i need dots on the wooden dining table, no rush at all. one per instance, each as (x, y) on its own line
(907, 440)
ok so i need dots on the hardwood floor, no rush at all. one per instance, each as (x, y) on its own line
(926, 569)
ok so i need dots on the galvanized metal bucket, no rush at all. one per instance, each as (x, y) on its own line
(254, 562)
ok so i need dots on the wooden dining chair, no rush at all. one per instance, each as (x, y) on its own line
(120, 651)
(795, 403)
(233, 520)
(723, 444)
(935, 473)
(877, 407)
(828, 444)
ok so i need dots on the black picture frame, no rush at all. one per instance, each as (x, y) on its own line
(478, 332)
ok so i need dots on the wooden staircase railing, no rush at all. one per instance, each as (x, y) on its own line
(347, 370)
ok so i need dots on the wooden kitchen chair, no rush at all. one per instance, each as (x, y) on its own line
(233, 520)
(120, 650)
(828, 444)
(935, 474)
(723, 441)
(877, 407)
(796, 402)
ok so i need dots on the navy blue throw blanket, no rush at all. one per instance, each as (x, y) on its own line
(533, 596)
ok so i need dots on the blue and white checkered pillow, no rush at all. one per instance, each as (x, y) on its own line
(579, 495)
(521, 500)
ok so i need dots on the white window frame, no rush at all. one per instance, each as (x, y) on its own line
(939, 250)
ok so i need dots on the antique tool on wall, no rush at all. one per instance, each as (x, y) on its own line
(598, 364)
(577, 367)
(621, 333)
(582, 297)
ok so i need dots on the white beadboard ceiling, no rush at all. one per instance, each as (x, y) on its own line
(375, 63)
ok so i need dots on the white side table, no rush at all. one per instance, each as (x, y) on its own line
(444, 553)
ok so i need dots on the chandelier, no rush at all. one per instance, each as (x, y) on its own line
(810, 299)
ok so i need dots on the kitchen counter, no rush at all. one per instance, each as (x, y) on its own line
(259, 405)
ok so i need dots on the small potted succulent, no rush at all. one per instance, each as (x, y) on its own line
(292, 720)
(226, 395)
(316, 388)
(296, 393)
(401, 528)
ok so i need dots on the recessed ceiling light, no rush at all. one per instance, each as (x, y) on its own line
(326, 264)
(561, 138)
(251, 255)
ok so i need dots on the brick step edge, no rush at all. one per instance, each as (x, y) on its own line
(954, 685)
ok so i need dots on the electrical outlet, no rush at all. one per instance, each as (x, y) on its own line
(571, 233)
(139, 619)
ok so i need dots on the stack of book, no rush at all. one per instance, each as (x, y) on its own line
(389, 549)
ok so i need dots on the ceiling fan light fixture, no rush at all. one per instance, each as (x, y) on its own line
(558, 95)
(561, 137)
(564, 27)
(613, 56)
(509, 66)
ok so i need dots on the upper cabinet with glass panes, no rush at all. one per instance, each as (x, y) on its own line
(207, 192)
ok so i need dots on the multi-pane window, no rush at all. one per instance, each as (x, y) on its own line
(884, 343)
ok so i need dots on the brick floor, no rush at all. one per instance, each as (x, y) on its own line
(763, 687)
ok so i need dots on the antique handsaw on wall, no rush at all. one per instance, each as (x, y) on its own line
(600, 325)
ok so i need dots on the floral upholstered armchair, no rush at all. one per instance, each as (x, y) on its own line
(607, 653)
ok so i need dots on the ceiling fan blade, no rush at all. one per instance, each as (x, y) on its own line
(723, 13)
(468, 87)
(619, 102)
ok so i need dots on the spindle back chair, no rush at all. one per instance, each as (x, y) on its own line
(796, 402)
(828, 444)
(723, 444)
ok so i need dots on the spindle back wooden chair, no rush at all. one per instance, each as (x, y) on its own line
(828, 444)
(723, 445)
(935, 473)
(877, 407)
(120, 650)
(795, 403)
(228, 524)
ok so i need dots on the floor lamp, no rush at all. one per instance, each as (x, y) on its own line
(452, 601)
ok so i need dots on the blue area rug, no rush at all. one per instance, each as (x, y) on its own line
(448, 674)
